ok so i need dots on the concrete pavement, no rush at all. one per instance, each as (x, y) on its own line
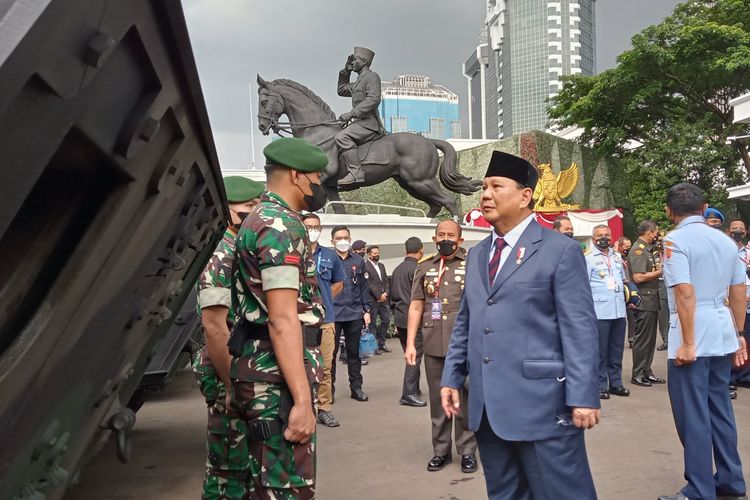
(381, 449)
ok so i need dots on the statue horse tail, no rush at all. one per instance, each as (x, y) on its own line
(450, 177)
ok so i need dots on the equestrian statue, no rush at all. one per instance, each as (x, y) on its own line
(360, 153)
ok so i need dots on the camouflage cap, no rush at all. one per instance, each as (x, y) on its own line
(296, 154)
(241, 189)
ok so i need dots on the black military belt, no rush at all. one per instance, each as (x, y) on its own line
(312, 335)
(262, 430)
(245, 330)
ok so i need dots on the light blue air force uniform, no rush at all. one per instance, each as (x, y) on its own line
(705, 258)
(743, 374)
(607, 278)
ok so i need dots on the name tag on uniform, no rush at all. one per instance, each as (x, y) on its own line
(431, 273)
(437, 310)
(460, 271)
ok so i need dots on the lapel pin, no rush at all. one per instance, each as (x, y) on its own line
(520, 254)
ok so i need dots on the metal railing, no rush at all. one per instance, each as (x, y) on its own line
(344, 204)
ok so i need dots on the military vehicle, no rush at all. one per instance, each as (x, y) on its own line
(111, 202)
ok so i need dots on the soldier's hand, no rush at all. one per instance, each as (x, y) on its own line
(740, 357)
(301, 424)
(346, 117)
(685, 355)
(585, 418)
(366, 318)
(450, 400)
(410, 355)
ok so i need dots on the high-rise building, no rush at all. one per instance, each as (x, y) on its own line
(526, 47)
(410, 103)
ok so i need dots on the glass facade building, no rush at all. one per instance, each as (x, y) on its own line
(530, 44)
(410, 103)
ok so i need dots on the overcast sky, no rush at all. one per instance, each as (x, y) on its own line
(309, 40)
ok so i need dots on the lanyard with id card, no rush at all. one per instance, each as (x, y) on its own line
(437, 307)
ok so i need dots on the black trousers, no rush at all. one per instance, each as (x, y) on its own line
(383, 312)
(411, 373)
(351, 330)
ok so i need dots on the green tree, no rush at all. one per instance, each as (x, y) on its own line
(664, 109)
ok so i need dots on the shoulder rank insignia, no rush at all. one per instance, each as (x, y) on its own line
(639, 251)
(426, 257)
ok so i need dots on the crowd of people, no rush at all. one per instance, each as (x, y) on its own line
(521, 337)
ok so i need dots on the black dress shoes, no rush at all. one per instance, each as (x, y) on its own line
(438, 462)
(732, 387)
(732, 394)
(359, 395)
(326, 418)
(662, 347)
(412, 400)
(364, 362)
(619, 391)
(603, 394)
(642, 381)
(656, 380)
(469, 464)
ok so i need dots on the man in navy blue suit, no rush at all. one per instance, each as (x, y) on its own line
(526, 337)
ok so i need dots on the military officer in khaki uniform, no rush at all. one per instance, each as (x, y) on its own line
(435, 301)
(646, 272)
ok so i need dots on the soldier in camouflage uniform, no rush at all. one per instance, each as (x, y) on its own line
(228, 460)
(279, 310)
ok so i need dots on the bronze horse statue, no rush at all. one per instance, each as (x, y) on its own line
(412, 160)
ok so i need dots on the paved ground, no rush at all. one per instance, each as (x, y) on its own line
(381, 449)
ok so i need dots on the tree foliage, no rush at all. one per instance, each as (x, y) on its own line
(664, 109)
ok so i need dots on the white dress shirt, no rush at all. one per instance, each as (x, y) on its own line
(511, 238)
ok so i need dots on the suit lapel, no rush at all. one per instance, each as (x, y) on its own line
(529, 241)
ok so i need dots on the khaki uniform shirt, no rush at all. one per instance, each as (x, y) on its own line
(436, 333)
(641, 260)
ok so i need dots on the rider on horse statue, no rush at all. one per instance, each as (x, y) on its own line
(363, 120)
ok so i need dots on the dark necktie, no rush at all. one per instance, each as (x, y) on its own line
(495, 260)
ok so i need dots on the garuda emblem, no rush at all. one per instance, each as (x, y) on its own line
(551, 188)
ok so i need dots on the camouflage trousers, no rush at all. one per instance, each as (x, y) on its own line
(278, 469)
(228, 462)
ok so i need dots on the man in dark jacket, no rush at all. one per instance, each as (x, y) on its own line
(377, 280)
(401, 281)
(351, 308)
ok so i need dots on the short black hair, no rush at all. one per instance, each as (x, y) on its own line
(685, 199)
(622, 239)
(737, 219)
(646, 226)
(557, 223)
(336, 229)
(372, 247)
(310, 215)
(413, 245)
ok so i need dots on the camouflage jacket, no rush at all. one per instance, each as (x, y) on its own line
(215, 282)
(272, 252)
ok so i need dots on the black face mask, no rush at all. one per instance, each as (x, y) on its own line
(446, 247)
(602, 243)
(625, 252)
(317, 199)
(375, 258)
(569, 235)
(737, 236)
(242, 216)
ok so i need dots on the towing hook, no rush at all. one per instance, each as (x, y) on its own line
(121, 423)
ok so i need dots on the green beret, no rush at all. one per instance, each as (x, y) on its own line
(296, 154)
(241, 189)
